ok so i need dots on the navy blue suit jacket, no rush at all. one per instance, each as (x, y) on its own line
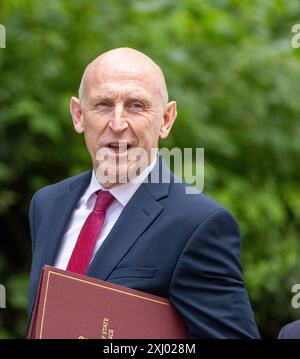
(290, 331)
(181, 246)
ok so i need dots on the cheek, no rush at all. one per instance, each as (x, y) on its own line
(146, 130)
(93, 125)
(93, 129)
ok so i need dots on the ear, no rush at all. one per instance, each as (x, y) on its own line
(76, 113)
(169, 117)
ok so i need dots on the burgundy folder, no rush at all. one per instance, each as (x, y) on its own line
(74, 306)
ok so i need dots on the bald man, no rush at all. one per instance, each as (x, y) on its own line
(115, 224)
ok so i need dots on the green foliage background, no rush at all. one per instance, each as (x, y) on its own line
(230, 66)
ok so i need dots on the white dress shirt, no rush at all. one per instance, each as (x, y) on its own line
(121, 192)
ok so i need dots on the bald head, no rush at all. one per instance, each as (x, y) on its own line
(121, 61)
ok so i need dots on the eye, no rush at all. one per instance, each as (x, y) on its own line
(104, 103)
(136, 106)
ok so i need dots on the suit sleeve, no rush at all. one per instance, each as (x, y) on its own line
(207, 285)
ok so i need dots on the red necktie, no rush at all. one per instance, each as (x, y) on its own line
(84, 248)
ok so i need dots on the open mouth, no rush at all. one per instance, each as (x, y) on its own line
(119, 147)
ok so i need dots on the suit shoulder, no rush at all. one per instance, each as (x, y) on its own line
(195, 199)
(192, 209)
(290, 331)
(62, 186)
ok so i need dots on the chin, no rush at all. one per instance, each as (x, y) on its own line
(110, 175)
(109, 172)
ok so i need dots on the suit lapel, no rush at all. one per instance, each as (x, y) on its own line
(136, 217)
(59, 218)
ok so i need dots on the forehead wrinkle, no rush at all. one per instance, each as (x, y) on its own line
(112, 89)
(139, 79)
(125, 95)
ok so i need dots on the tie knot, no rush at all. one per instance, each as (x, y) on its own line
(103, 200)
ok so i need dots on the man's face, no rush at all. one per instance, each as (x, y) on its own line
(122, 116)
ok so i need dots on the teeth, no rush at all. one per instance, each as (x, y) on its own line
(117, 145)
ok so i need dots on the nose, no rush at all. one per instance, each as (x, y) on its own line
(118, 122)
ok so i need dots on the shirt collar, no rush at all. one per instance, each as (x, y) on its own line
(122, 192)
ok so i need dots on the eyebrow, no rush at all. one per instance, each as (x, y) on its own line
(136, 97)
